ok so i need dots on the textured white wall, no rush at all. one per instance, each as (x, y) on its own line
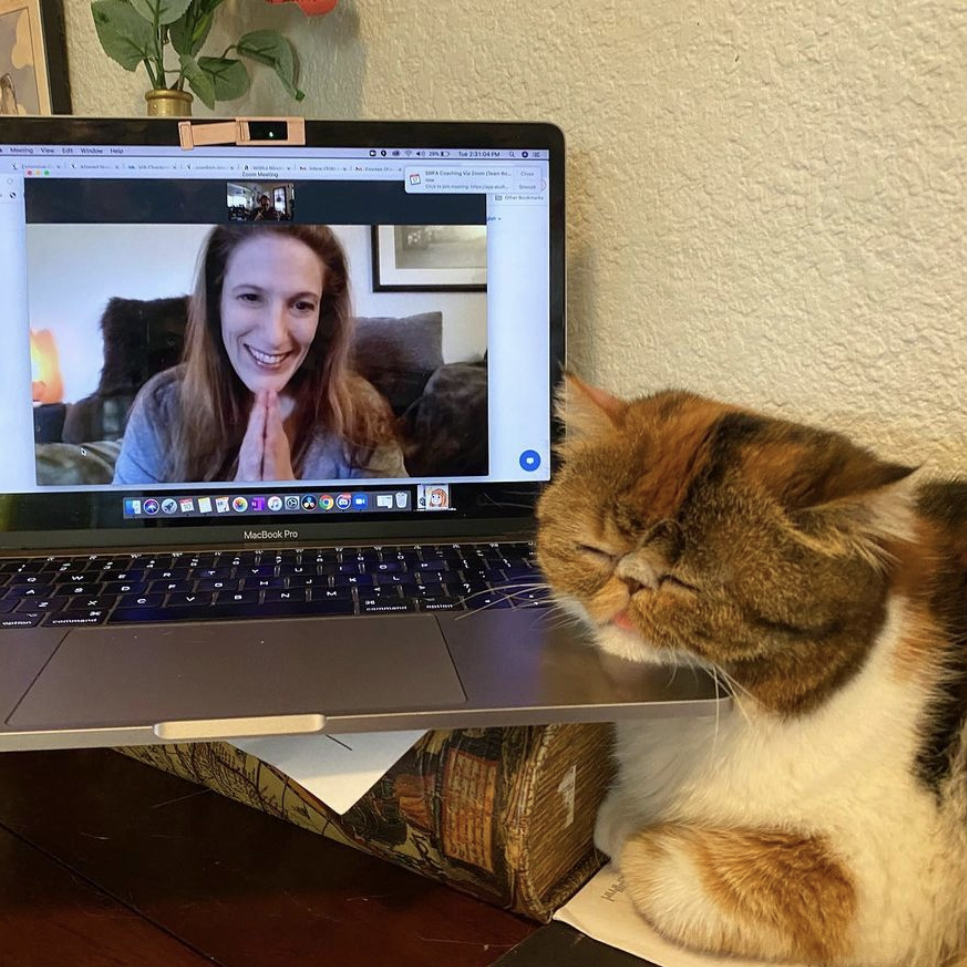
(767, 201)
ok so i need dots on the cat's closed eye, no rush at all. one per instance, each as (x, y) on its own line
(670, 580)
(597, 553)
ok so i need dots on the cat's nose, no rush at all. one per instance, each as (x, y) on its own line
(637, 573)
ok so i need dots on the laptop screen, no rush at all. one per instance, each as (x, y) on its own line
(353, 337)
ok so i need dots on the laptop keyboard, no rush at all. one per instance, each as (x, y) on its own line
(269, 583)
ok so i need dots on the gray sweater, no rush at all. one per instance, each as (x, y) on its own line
(142, 459)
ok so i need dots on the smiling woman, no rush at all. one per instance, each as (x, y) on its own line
(265, 390)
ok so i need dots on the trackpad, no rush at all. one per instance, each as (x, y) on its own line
(124, 676)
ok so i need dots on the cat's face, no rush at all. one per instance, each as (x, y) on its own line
(686, 530)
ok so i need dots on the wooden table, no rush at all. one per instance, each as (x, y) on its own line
(106, 861)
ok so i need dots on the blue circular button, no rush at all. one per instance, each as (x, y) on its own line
(530, 460)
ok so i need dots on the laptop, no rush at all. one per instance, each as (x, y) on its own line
(164, 581)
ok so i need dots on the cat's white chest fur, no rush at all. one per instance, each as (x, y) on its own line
(845, 771)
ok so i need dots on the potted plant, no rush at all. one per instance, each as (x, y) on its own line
(166, 38)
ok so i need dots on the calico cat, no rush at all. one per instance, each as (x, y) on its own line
(823, 819)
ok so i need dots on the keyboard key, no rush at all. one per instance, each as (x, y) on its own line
(22, 566)
(86, 603)
(42, 604)
(330, 594)
(268, 582)
(442, 603)
(237, 597)
(141, 601)
(30, 592)
(166, 574)
(120, 574)
(64, 619)
(291, 570)
(255, 571)
(161, 562)
(272, 609)
(212, 573)
(32, 579)
(385, 605)
(523, 594)
(219, 584)
(168, 587)
(307, 581)
(433, 579)
(78, 587)
(124, 587)
(488, 599)
(517, 571)
(190, 599)
(28, 619)
(397, 579)
(352, 580)
(287, 594)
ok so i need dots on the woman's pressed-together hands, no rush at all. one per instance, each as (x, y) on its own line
(265, 453)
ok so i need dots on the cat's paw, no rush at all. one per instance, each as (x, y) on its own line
(615, 822)
(742, 893)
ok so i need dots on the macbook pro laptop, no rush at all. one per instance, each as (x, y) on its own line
(148, 596)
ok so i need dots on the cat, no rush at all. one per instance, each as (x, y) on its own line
(823, 818)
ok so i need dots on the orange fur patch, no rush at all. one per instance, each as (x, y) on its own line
(678, 455)
(783, 896)
(920, 655)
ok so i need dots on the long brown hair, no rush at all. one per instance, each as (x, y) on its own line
(215, 403)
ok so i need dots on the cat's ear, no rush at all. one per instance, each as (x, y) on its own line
(882, 508)
(586, 411)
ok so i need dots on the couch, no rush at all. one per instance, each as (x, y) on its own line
(440, 408)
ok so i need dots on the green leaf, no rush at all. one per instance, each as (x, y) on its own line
(161, 11)
(228, 76)
(124, 34)
(200, 83)
(190, 32)
(272, 49)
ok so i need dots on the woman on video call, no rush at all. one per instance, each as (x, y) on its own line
(266, 390)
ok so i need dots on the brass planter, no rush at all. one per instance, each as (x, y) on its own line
(168, 104)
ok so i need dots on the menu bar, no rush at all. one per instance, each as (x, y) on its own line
(143, 151)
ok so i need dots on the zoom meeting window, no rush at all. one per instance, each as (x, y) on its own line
(238, 320)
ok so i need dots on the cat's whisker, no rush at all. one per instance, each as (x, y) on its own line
(562, 618)
(718, 710)
(738, 690)
(514, 592)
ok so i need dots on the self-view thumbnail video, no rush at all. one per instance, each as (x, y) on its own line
(261, 201)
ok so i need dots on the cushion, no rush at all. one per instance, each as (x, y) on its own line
(65, 464)
(446, 427)
(397, 354)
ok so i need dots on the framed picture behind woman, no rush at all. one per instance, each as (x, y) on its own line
(33, 58)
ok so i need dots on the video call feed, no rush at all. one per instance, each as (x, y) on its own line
(208, 331)
(214, 331)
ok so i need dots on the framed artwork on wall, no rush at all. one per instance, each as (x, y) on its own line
(425, 258)
(33, 58)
